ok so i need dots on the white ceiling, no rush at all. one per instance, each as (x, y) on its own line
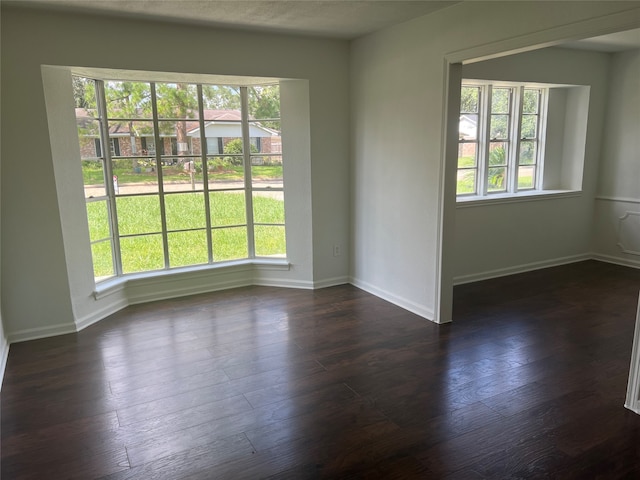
(342, 19)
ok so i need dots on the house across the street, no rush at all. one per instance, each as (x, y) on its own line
(130, 140)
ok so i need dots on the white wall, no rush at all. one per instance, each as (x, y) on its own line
(395, 113)
(505, 238)
(45, 273)
(618, 195)
(398, 79)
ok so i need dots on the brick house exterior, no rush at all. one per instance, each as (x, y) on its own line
(222, 125)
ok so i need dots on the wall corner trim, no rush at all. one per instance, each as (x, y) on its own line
(632, 401)
(4, 355)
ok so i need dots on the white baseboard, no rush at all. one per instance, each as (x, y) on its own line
(4, 355)
(175, 292)
(42, 332)
(527, 267)
(331, 282)
(193, 283)
(625, 262)
(96, 316)
(418, 309)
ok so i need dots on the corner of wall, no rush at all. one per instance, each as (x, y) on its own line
(403, 302)
(4, 354)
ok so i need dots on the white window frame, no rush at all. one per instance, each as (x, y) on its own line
(483, 140)
(111, 193)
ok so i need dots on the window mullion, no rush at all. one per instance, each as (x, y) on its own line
(246, 158)
(205, 173)
(484, 133)
(163, 216)
(108, 172)
(543, 106)
(515, 128)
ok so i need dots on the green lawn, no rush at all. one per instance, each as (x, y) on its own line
(466, 184)
(466, 179)
(93, 175)
(140, 215)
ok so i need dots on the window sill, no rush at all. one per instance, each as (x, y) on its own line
(118, 284)
(501, 198)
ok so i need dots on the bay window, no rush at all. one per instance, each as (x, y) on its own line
(189, 177)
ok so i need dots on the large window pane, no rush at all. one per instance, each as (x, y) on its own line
(468, 130)
(499, 129)
(497, 171)
(147, 144)
(127, 137)
(98, 216)
(214, 145)
(134, 175)
(181, 174)
(141, 254)
(498, 153)
(88, 134)
(93, 178)
(526, 177)
(264, 101)
(128, 99)
(225, 172)
(187, 248)
(227, 208)
(531, 101)
(268, 207)
(220, 97)
(177, 100)
(139, 214)
(229, 244)
(84, 94)
(468, 127)
(266, 172)
(269, 240)
(501, 100)
(497, 181)
(529, 126)
(177, 137)
(185, 211)
(466, 182)
(90, 149)
(527, 153)
(469, 99)
(102, 259)
(467, 155)
(233, 145)
(265, 137)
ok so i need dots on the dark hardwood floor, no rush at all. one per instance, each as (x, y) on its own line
(528, 382)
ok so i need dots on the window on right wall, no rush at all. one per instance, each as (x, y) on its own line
(520, 139)
(500, 148)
